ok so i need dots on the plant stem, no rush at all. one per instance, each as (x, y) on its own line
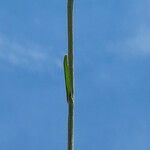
(71, 70)
(70, 37)
(71, 126)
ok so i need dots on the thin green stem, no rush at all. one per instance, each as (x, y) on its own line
(71, 71)
(71, 126)
(70, 38)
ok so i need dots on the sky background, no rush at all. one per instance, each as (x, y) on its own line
(112, 75)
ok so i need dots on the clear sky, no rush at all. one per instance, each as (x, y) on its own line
(112, 75)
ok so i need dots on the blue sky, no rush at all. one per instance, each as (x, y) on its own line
(112, 75)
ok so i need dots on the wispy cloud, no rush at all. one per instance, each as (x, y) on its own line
(29, 56)
(136, 45)
(140, 43)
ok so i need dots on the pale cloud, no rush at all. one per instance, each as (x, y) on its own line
(140, 43)
(136, 45)
(29, 56)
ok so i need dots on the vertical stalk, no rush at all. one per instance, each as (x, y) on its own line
(70, 37)
(71, 71)
(71, 126)
(69, 76)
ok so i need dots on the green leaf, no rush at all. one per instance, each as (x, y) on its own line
(67, 77)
